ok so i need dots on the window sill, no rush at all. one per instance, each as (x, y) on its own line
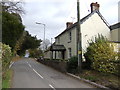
(69, 41)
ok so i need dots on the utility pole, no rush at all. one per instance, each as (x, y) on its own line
(79, 39)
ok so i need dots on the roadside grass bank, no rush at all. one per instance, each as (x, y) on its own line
(16, 58)
(105, 79)
(7, 79)
(7, 74)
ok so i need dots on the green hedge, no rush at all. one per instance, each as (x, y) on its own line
(6, 56)
(72, 65)
(101, 55)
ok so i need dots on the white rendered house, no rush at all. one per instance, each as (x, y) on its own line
(65, 45)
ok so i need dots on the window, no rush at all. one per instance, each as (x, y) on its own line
(70, 36)
(70, 53)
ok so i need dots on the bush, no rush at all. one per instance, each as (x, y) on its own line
(35, 53)
(72, 65)
(101, 56)
(6, 56)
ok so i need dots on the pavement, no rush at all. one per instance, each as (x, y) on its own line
(30, 74)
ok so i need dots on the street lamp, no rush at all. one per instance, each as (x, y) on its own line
(44, 34)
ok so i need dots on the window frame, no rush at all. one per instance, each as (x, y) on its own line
(69, 52)
(70, 37)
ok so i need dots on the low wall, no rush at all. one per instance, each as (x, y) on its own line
(58, 65)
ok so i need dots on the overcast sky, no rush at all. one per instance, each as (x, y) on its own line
(55, 13)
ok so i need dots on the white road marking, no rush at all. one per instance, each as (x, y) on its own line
(52, 87)
(37, 73)
(30, 65)
(27, 62)
(11, 64)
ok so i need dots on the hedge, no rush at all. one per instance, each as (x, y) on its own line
(6, 56)
(101, 56)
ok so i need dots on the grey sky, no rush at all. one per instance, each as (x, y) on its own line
(55, 14)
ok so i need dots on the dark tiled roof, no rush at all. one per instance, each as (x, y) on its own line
(115, 26)
(83, 20)
(57, 48)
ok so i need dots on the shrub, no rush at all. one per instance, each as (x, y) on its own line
(35, 53)
(6, 56)
(101, 56)
(72, 65)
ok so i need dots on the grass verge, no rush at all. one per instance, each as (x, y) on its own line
(105, 79)
(16, 58)
(6, 79)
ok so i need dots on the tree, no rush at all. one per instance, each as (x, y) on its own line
(35, 53)
(12, 6)
(30, 42)
(12, 29)
(45, 44)
(19, 42)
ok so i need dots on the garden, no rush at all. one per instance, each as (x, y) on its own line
(101, 65)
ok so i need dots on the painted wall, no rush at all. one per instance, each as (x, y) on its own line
(47, 54)
(90, 28)
(64, 40)
(115, 35)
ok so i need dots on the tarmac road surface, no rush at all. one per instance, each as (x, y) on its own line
(30, 74)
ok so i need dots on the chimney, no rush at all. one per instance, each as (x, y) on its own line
(68, 24)
(94, 6)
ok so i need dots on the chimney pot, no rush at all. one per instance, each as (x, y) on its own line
(68, 24)
(94, 6)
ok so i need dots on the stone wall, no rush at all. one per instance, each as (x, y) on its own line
(58, 65)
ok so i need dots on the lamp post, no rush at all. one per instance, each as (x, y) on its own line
(44, 35)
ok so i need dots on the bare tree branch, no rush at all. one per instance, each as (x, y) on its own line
(12, 6)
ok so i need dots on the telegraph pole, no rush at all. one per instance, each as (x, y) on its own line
(79, 39)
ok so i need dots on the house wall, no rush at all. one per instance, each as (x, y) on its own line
(115, 34)
(64, 40)
(89, 28)
(47, 54)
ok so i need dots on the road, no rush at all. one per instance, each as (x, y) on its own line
(30, 74)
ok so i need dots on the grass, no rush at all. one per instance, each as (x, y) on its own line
(105, 79)
(6, 79)
(7, 76)
(16, 58)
